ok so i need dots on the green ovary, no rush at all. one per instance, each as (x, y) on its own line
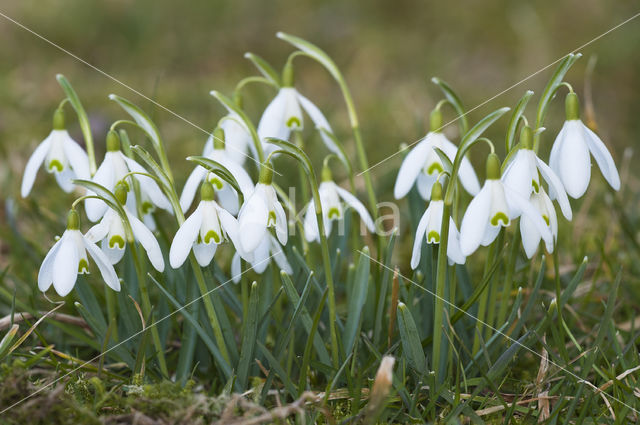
(55, 165)
(435, 167)
(83, 266)
(433, 237)
(211, 235)
(500, 217)
(334, 212)
(271, 221)
(294, 122)
(116, 240)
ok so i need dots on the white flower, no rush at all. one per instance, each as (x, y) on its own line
(68, 257)
(494, 207)
(529, 231)
(267, 249)
(237, 139)
(332, 209)
(284, 114)
(226, 194)
(571, 154)
(429, 228)
(61, 155)
(208, 226)
(113, 169)
(110, 230)
(423, 165)
(261, 211)
(523, 174)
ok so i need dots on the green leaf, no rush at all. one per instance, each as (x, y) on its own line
(552, 86)
(7, 339)
(313, 51)
(358, 295)
(411, 346)
(221, 171)
(265, 68)
(455, 101)
(448, 165)
(83, 119)
(294, 151)
(141, 118)
(248, 338)
(515, 119)
(307, 349)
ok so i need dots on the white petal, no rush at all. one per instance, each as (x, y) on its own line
(603, 158)
(237, 139)
(490, 235)
(77, 158)
(244, 181)
(204, 253)
(279, 257)
(424, 184)
(65, 265)
(185, 238)
(321, 123)
(148, 185)
(453, 244)
(45, 274)
(354, 203)
(419, 238)
(528, 210)
(293, 113)
(411, 167)
(228, 199)
(253, 219)
(281, 223)
(466, 174)
(574, 161)
(261, 255)
(530, 236)
(518, 174)
(106, 269)
(230, 226)
(236, 268)
(475, 221)
(143, 235)
(95, 208)
(64, 179)
(99, 231)
(115, 254)
(556, 186)
(208, 146)
(191, 186)
(311, 231)
(272, 122)
(33, 164)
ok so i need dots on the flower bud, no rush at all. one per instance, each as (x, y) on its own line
(121, 193)
(113, 141)
(493, 167)
(73, 220)
(572, 107)
(436, 192)
(526, 137)
(58, 119)
(435, 120)
(326, 173)
(206, 191)
(287, 75)
(266, 173)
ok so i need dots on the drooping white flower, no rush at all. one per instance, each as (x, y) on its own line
(111, 231)
(494, 207)
(523, 174)
(113, 169)
(284, 114)
(422, 165)
(227, 195)
(236, 141)
(529, 231)
(571, 154)
(68, 257)
(61, 156)
(429, 228)
(208, 226)
(330, 199)
(268, 249)
(261, 211)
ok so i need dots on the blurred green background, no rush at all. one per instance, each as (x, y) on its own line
(176, 52)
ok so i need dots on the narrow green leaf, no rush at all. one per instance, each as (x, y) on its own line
(265, 68)
(314, 51)
(248, 338)
(7, 339)
(277, 369)
(306, 357)
(410, 338)
(294, 151)
(455, 101)
(552, 86)
(141, 118)
(221, 171)
(515, 119)
(358, 295)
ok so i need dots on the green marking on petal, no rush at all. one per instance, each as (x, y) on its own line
(536, 186)
(433, 237)
(334, 212)
(500, 218)
(435, 167)
(116, 240)
(55, 164)
(211, 235)
(83, 266)
(146, 207)
(294, 122)
(271, 221)
(216, 182)
(546, 219)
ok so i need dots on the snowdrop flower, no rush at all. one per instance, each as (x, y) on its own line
(208, 226)
(261, 211)
(494, 207)
(523, 174)
(61, 155)
(68, 257)
(226, 194)
(284, 114)
(530, 234)
(422, 165)
(330, 199)
(571, 153)
(269, 248)
(111, 231)
(113, 170)
(430, 226)
(237, 139)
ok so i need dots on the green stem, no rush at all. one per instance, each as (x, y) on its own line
(508, 279)
(441, 277)
(482, 302)
(109, 296)
(304, 187)
(146, 308)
